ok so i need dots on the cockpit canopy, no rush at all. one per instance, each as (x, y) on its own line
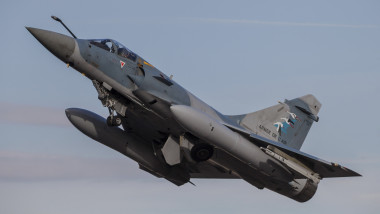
(114, 47)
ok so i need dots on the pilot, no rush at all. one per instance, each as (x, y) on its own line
(110, 45)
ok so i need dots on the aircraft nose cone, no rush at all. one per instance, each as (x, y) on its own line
(60, 45)
(68, 113)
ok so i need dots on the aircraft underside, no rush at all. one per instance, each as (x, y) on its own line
(172, 134)
(209, 162)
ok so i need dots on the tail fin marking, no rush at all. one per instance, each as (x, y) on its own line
(287, 122)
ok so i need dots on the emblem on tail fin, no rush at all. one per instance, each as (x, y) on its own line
(279, 126)
(294, 116)
(283, 126)
(288, 121)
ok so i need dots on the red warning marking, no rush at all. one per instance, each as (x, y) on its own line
(122, 64)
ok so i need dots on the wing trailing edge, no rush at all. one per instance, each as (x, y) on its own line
(324, 169)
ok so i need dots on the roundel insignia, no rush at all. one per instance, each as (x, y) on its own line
(122, 64)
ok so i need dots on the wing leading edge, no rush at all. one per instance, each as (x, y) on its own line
(324, 168)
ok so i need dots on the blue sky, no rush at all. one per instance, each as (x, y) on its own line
(239, 56)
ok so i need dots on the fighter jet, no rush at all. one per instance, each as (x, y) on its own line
(174, 135)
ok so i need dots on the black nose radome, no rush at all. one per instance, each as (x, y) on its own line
(60, 45)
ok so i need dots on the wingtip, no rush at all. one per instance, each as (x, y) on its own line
(352, 173)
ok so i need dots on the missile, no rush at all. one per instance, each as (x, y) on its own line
(210, 130)
(95, 127)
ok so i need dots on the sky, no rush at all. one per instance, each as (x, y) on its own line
(238, 56)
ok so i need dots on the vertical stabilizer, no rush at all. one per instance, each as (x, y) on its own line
(287, 122)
